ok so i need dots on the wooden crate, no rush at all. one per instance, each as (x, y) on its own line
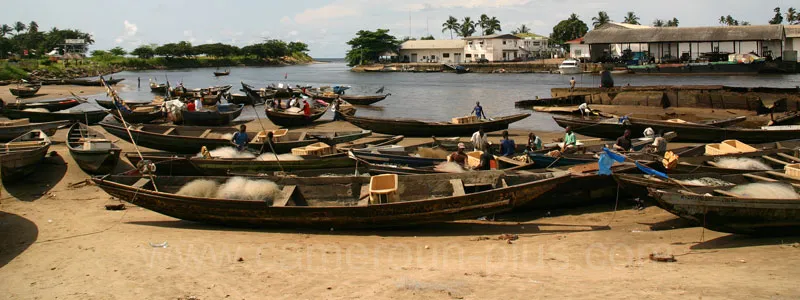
(792, 170)
(278, 135)
(735, 146)
(465, 120)
(316, 149)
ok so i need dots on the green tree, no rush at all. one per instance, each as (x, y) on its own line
(467, 27)
(730, 21)
(778, 18)
(297, 47)
(19, 27)
(492, 26)
(168, 50)
(601, 19)
(631, 18)
(117, 51)
(521, 29)
(659, 23)
(216, 50)
(672, 23)
(451, 25)
(483, 23)
(99, 53)
(567, 30)
(792, 16)
(5, 29)
(427, 38)
(33, 27)
(144, 51)
(368, 45)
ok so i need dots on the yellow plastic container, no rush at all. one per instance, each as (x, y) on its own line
(383, 189)
(474, 158)
(715, 149)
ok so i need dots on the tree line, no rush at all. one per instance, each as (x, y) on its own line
(266, 49)
(467, 27)
(15, 39)
(791, 17)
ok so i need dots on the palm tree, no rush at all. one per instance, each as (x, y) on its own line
(33, 27)
(483, 23)
(672, 23)
(631, 18)
(492, 26)
(5, 29)
(744, 23)
(792, 16)
(19, 27)
(467, 27)
(601, 19)
(522, 29)
(450, 25)
(658, 23)
(722, 20)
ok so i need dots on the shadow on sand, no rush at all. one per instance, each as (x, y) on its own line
(49, 173)
(671, 224)
(16, 235)
(470, 228)
(741, 241)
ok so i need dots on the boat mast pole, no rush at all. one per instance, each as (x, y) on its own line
(269, 141)
(115, 98)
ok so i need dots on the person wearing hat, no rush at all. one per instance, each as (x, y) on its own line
(459, 156)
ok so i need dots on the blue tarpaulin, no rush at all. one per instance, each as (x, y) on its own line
(650, 171)
(606, 161)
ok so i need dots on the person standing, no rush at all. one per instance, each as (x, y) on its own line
(478, 110)
(478, 139)
(336, 107)
(572, 85)
(139, 82)
(240, 138)
(507, 146)
(306, 109)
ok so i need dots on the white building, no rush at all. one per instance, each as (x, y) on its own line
(496, 47)
(433, 51)
(792, 47)
(578, 49)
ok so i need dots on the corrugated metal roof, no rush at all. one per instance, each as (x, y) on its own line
(792, 31)
(433, 44)
(612, 25)
(493, 36)
(685, 34)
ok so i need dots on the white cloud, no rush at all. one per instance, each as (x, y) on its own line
(337, 10)
(129, 34)
(293, 33)
(189, 36)
(286, 20)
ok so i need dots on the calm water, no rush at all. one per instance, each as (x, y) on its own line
(427, 96)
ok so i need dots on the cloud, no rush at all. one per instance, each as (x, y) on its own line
(337, 10)
(129, 34)
(189, 36)
(286, 20)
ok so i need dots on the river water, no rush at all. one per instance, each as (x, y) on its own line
(426, 96)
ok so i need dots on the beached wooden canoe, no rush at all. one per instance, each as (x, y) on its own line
(223, 115)
(109, 104)
(93, 153)
(319, 95)
(363, 99)
(189, 139)
(415, 128)
(20, 157)
(10, 130)
(25, 91)
(53, 105)
(92, 82)
(717, 208)
(687, 132)
(92, 117)
(225, 166)
(341, 202)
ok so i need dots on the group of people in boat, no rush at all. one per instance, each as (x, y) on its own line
(278, 104)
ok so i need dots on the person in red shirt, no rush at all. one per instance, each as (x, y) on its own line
(190, 106)
(306, 108)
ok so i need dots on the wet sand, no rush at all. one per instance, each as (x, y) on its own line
(48, 92)
(58, 241)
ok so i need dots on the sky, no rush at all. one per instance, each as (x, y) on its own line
(326, 26)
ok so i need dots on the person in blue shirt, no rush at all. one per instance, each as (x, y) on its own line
(507, 146)
(240, 138)
(478, 110)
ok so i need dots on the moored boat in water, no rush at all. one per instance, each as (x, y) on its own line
(415, 128)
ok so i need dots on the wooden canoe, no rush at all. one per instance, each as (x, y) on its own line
(20, 157)
(363, 99)
(337, 202)
(716, 208)
(414, 128)
(638, 184)
(158, 88)
(226, 73)
(189, 139)
(25, 91)
(92, 82)
(12, 131)
(222, 116)
(54, 105)
(316, 94)
(281, 118)
(109, 104)
(93, 153)
(687, 132)
(225, 166)
(39, 117)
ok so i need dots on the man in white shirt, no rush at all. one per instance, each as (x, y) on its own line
(198, 104)
(478, 140)
(584, 109)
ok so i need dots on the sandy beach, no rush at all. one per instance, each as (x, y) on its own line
(58, 241)
(48, 92)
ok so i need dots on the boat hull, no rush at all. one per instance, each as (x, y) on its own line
(413, 128)
(8, 133)
(211, 118)
(92, 117)
(224, 167)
